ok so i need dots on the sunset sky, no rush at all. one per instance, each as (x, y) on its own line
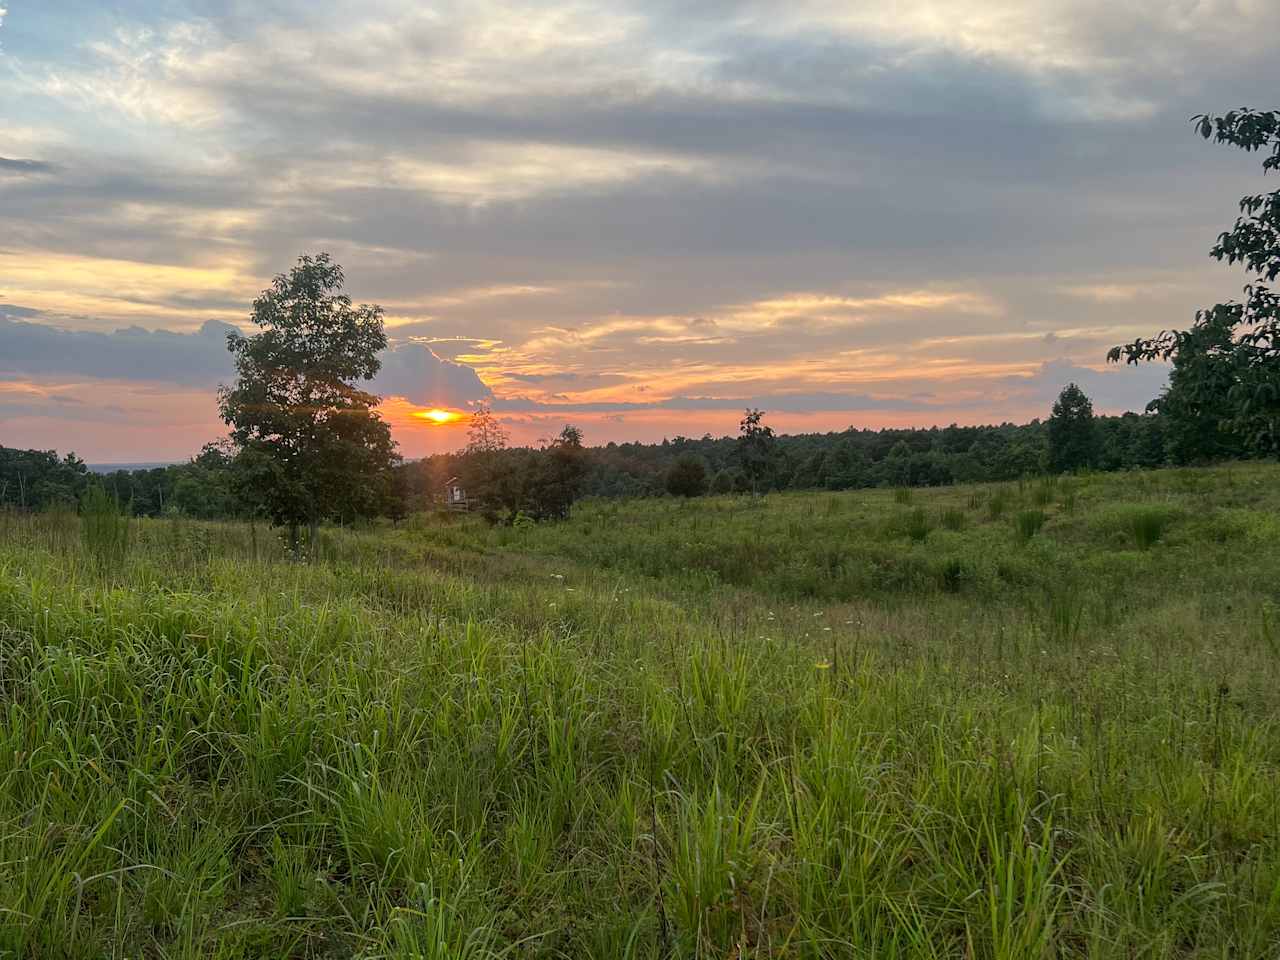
(638, 217)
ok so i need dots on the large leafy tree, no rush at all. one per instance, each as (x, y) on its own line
(1224, 391)
(1073, 435)
(310, 444)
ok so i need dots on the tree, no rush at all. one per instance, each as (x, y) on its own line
(488, 468)
(1225, 384)
(755, 447)
(485, 433)
(37, 479)
(309, 443)
(687, 477)
(204, 487)
(558, 474)
(1073, 435)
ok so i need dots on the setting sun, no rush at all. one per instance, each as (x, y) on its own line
(436, 415)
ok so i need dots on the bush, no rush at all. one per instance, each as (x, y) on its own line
(953, 518)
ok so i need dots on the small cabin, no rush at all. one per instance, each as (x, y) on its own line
(455, 495)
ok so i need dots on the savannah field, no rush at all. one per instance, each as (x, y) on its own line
(1031, 720)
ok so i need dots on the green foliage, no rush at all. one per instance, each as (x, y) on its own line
(539, 484)
(723, 482)
(1073, 435)
(954, 519)
(1224, 390)
(902, 495)
(104, 528)
(38, 479)
(310, 445)
(687, 478)
(756, 443)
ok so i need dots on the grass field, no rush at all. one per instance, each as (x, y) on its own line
(1035, 720)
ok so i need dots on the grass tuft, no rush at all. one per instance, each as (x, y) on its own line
(1028, 523)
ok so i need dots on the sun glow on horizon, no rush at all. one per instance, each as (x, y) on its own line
(438, 416)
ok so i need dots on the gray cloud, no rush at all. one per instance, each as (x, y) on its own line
(1114, 390)
(414, 372)
(132, 353)
(200, 359)
(14, 165)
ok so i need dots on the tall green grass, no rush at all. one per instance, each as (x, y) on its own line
(1028, 523)
(654, 731)
(104, 528)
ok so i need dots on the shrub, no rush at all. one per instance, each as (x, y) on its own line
(953, 518)
(104, 527)
(1028, 523)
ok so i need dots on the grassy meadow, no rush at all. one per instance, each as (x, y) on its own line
(1018, 721)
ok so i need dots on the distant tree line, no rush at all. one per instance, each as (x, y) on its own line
(542, 483)
(848, 459)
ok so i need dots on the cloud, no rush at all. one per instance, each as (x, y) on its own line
(543, 377)
(132, 353)
(200, 359)
(780, 403)
(1112, 390)
(414, 372)
(18, 166)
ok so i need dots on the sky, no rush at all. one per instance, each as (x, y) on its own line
(637, 217)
